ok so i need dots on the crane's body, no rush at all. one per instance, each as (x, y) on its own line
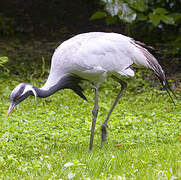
(91, 56)
(95, 55)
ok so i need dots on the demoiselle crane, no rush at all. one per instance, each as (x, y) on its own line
(92, 57)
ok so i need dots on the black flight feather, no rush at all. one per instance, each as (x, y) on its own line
(155, 67)
(72, 82)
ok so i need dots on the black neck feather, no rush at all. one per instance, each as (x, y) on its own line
(66, 82)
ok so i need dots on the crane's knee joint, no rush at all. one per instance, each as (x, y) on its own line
(95, 110)
(103, 129)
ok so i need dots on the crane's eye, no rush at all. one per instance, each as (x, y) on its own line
(17, 97)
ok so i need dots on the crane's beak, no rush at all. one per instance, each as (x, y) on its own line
(11, 107)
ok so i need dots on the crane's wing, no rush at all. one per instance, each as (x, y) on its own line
(98, 54)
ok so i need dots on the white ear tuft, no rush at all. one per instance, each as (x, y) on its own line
(35, 94)
(29, 87)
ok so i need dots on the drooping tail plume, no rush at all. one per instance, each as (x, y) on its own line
(156, 68)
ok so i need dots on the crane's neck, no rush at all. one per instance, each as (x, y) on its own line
(42, 93)
(66, 82)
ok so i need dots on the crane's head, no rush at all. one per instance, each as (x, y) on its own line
(19, 93)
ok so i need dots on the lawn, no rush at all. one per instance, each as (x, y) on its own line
(50, 139)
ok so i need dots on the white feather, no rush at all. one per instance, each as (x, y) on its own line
(29, 87)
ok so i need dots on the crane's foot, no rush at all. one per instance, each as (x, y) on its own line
(103, 134)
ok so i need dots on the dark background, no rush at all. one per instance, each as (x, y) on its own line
(55, 20)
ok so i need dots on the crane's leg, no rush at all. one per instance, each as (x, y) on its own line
(104, 125)
(94, 117)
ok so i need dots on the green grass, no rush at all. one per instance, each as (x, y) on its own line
(50, 140)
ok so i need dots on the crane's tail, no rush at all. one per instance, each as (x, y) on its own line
(156, 68)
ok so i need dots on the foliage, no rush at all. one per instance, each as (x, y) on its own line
(162, 15)
(6, 25)
(140, 10)
(3, 60)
